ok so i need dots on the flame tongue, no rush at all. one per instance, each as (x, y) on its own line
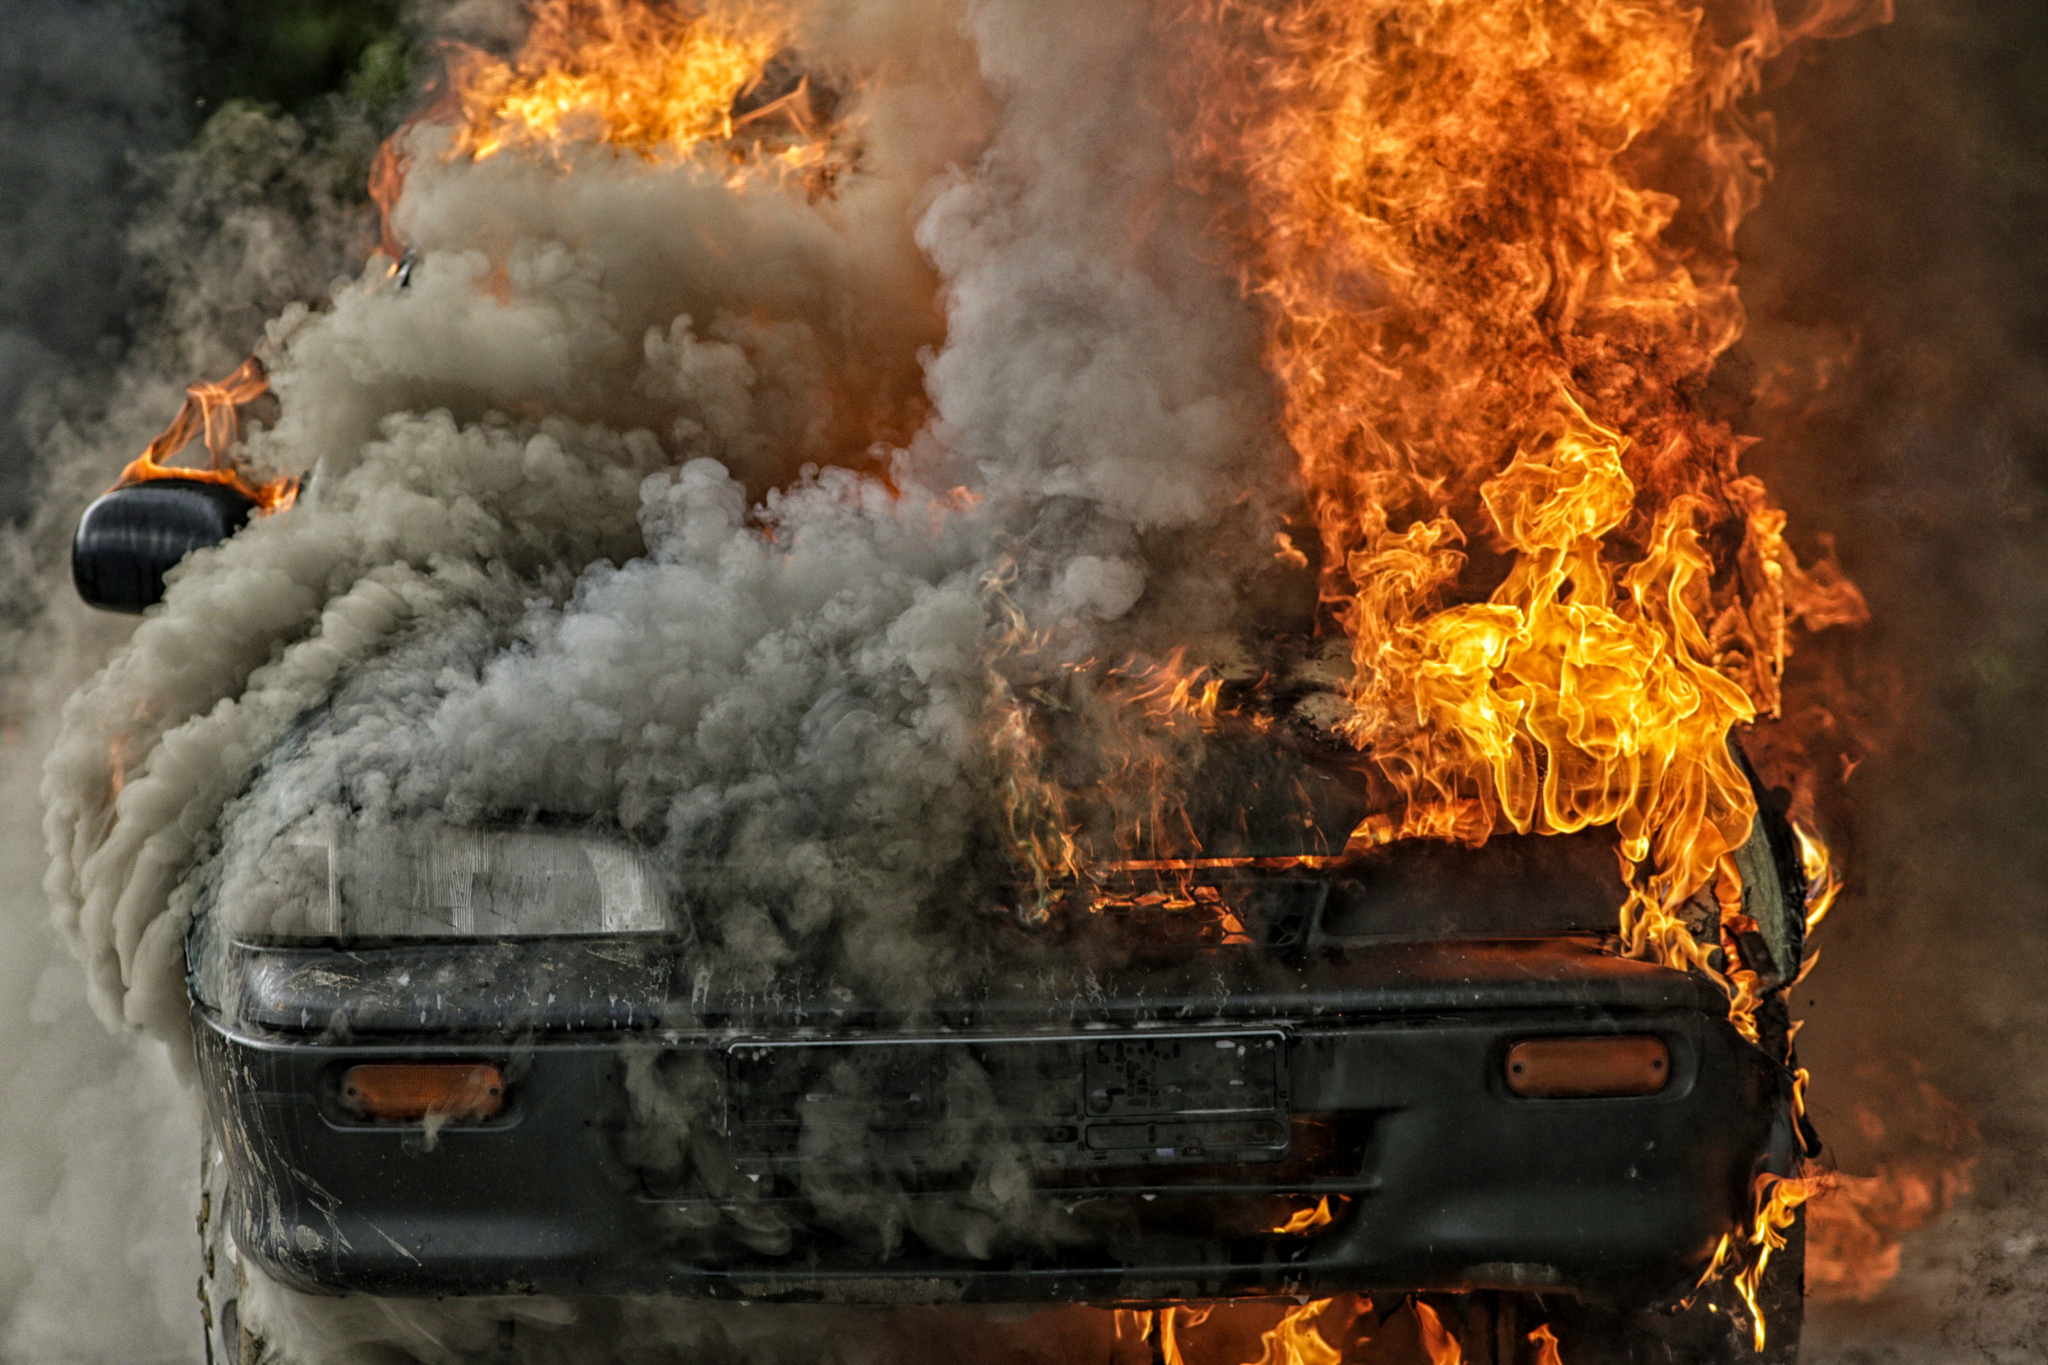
(1494, 248)
(211, 412)
(1573, 696)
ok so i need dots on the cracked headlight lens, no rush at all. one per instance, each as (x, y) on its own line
(431, 881)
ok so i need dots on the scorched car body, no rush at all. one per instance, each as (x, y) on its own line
(1184, 1115)
(1331, 1092)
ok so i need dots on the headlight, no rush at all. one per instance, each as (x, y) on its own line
(429, 881)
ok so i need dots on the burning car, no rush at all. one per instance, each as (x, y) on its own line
(491, 1060)
(1278, 833)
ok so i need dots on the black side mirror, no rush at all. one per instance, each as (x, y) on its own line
(129, 538)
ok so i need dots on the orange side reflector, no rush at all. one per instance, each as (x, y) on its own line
(412, 1091)
(1579, 1068)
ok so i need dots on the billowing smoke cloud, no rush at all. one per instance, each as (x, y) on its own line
(797, 686)
(731, 594)
(98, 1150)
(99, 1154)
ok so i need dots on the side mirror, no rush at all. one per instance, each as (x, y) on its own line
(129, 538)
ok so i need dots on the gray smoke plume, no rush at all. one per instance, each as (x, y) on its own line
(98, 1151)
(99, 1154)
(692, 602)
(795, 685)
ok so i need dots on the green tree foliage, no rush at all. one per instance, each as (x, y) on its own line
(293, 56)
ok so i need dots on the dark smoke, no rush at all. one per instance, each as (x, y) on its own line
(1903, 233)
(84, 96)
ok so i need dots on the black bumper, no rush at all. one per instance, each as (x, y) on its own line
(1437, 1175)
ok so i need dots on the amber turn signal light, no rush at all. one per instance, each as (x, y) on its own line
(410, 1092)
(1581, 1068)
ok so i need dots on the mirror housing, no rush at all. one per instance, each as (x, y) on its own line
(130, 538)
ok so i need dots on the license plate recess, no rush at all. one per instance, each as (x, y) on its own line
(1108, 1102)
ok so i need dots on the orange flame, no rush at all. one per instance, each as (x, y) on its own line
(1034, 808)
(1294, 1340)
(1170, 687)
(211, 412)
(1150, 712)
(665, 79)
(1546, 1346)
(1745, 1259)
(1823, 882)
(1437, 1341)
(1306, 1220)
(654, 78)
(1778, 1200)
(1488, 322)
(1494, 245)
(1168, 1322)
(387, 182)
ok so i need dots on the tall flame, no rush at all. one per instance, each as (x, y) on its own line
(1777, 1200)
(1168, 1323)
(1494, 248)
(1437, 1341)
(1494, 245)
(1823, 882)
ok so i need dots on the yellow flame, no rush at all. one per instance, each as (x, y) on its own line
(1823, 883)
(1562, 594)
(1309, 1219)
(652, 78)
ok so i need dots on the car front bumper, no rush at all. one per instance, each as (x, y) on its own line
(1435, 1175)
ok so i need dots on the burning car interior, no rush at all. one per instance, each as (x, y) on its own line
(851, 673)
